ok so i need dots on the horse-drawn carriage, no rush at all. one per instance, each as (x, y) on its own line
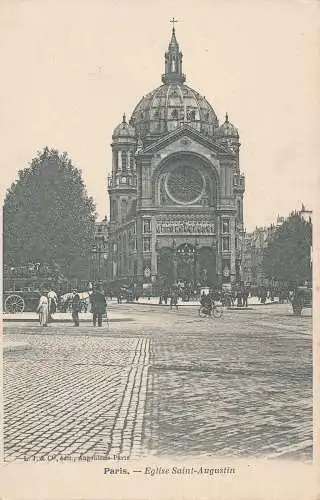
(18, 301)
(22, 285)
(65, 302)
(300, 298)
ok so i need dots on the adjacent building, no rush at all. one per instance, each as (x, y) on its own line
(255, 243)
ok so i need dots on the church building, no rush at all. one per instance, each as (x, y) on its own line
(176, 191)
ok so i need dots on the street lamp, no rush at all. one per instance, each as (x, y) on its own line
(99, 249)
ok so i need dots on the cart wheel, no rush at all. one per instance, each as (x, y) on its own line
(217, 311)
(202, 312)
(14, 304)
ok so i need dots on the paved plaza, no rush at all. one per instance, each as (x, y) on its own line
(156, 382)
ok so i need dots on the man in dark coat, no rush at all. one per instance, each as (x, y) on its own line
(98, 305)
(76, 307)
(245, 295)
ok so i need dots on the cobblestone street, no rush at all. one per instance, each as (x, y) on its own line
(161, 383)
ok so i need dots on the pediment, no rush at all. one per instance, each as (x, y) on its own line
(187, 138)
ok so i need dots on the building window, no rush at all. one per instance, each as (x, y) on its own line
(132, 241)
(116, 162)
(131, 161)
(191, 115)
(124, 206)
(146, 225)
(114, 209)
(146, 244)
(226, 244)
(225, 226)
(124, 160)
(239, 209)
(174, 114)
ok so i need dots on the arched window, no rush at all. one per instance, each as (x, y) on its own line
(124, 160)
(114, 209)
(124, 205)
(131, 161)
(226, 243)
(239, 209)
(125, 250)
(174, 114)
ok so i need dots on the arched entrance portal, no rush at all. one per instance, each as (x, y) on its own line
(165, 266)
(207, 267)
(187, 263)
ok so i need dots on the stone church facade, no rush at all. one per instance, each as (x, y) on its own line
(176, 190)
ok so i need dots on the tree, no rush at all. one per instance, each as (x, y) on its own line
(48, 216)
(287, 256)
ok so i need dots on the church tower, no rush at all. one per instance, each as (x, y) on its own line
(123, 180)
(176, 190)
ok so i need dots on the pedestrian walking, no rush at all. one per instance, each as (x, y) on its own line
(245, 296)
(53, 301)
(98, 306)
(173, 299)
(239, 298)
(76, 307)
(263, 295)
(43, 309)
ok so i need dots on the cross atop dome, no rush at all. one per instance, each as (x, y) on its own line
(173, 60)
(173, 20)
(173, 37)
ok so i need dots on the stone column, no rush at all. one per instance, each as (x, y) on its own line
(154, 263)
(233, 250)
(146, 195)
(139, 250)
(119, 162)
(133, 163)
(228, 180)
(175, 267)
(197, 265)
(218, 250)
(114, 161)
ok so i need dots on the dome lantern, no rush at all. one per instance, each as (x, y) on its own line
(124, 130)
(173, 60)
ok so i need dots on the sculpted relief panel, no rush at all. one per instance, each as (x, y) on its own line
(172, 224)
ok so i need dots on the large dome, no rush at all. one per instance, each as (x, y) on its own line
(166, 107)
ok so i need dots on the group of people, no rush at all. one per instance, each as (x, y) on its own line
(98, 305)
(48, 303)
(47, 306)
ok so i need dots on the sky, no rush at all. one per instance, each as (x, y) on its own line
(71, 68)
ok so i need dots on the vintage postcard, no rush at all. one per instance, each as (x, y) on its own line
(159, 178)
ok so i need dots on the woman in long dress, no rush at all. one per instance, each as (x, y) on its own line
(43, 310)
